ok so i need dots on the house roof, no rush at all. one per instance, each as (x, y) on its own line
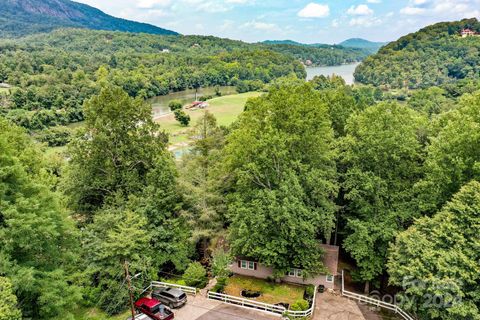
(330, 258)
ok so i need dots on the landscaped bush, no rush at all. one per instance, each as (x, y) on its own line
(300, 305)
(309, 292)
(220, 285)
(195, 275)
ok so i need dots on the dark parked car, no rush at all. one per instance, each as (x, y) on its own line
(171, 297)
(154, 309)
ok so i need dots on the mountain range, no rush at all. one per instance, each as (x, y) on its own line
(23, 17)
(356, 43)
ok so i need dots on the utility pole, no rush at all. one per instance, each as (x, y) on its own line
(127, 276)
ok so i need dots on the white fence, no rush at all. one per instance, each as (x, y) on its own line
(270, 308)
(158, 284)
(375, 302)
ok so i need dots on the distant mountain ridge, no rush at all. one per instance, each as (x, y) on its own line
(23, 17)
(362, 44)
(357, 43)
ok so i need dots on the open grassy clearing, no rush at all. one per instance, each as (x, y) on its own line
(271, 292)
(226, 109)
(97, 314)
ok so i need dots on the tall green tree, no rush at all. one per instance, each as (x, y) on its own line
(122, 180)
(280, 168)
(453, 156)
(37, 239)
(382, 156)
(436, 260)
(8, 301)
(115, 151)
(117, 237)
(198, 179)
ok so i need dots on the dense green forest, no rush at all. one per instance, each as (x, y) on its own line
(322, 55)
(52, 74)
(23, 17)
(393, 177)
(433, 56)
(388, 170)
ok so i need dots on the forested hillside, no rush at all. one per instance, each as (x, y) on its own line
(390, 176)
(432, 56)
(321, 55)
(362, 44)
(23, 17)
(52, 74)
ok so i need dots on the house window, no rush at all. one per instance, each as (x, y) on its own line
(247, 265)
(244, 264)
(329, 278)
(298, 273)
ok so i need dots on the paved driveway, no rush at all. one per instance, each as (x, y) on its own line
(333, 307)
(201, 308)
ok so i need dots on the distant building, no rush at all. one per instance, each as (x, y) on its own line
(308, 63)
(198, 104)
(4, 85)
(468, 33)
(165, 51)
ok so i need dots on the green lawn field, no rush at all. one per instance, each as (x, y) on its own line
(226, 109)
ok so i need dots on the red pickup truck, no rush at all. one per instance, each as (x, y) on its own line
(154, 309)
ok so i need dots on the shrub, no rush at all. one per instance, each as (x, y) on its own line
(309, 292)
(300, 305)
(220, 262)
(182, 117)
(195, 275)
(220, 285)
(175, 105)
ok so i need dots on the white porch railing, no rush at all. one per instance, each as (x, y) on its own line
(158, 284)
(375, 302)
(265, 307)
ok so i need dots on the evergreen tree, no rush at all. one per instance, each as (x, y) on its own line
(198, 178)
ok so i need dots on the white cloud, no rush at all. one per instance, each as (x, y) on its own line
(374, 1)
(412, 11)
(360, 10)
(365, 22)
(237, 1)
(149, 4)
(315, 10)
(263, 26)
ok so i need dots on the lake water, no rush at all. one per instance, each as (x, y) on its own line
(160, 103)
(345, 71)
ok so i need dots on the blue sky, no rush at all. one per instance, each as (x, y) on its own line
(319, 21)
